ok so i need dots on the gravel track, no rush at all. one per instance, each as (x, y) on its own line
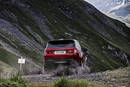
(115, 78)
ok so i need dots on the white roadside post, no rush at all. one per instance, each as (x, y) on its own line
(21, 61)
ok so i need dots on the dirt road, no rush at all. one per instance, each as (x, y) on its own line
(115, 78)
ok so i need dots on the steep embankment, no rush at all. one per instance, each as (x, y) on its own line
(26, 26)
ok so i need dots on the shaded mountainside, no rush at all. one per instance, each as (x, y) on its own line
(26, 26)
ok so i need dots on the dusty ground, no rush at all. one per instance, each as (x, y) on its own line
(115, 78)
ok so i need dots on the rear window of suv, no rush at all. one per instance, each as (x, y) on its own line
(61, 44)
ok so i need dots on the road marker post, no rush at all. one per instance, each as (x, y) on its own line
(21, 61)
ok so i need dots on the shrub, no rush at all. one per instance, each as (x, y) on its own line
(62, 83)
(8, 83)
(15, 81)
(67, 83)
(79, 84)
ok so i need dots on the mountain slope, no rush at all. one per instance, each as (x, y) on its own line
(26, 26)
(117, 9)
(122, 13)
(7, 62)
(106, 5)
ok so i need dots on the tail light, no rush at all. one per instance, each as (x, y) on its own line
(76, 51)
(70, 51)
(50, 52)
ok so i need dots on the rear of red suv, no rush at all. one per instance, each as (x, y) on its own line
(63, 51)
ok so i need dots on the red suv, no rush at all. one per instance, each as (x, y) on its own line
(64, 51)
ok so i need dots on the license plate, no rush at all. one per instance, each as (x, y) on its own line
(60, 52)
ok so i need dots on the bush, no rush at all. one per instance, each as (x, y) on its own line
(79, 84)
(15, 81)
(67, 83)
(9, 83)
(62, 83)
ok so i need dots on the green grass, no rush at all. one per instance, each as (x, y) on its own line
(14, 81)
(6, 70)
(64, 82)
(8, 63)
(67, 83)
(8, 58)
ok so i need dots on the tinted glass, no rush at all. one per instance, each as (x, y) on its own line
(61, 44)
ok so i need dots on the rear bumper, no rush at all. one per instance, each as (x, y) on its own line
(64, 57)
(60, 61)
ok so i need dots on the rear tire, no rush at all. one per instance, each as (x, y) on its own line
(84, 61)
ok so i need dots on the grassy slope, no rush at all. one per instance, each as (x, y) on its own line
(8, 63)
(58, 23)
(8, 58)
(5, 68)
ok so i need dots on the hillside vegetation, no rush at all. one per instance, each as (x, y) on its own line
(8, 62)
(27, 25)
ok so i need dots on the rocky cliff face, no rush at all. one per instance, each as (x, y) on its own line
(26, 26)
